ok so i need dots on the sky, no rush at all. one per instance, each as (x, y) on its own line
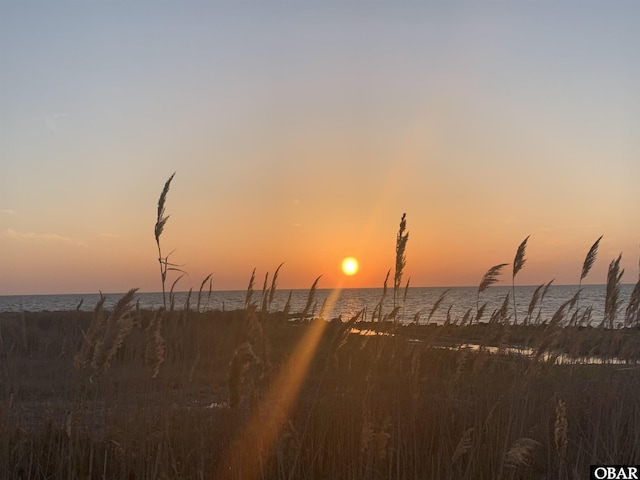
(300, 132)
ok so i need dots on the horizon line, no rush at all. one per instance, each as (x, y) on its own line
(309, 288)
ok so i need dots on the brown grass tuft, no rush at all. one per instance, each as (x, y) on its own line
(561, 426)
(520, 452)
(518, 263)
(464, 445)
(612, 298)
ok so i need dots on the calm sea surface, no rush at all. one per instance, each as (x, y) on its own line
(348, 302)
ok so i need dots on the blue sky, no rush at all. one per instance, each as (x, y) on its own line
(301, 133)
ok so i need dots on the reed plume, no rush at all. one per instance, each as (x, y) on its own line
(632, 314)
(501, 315)
(532, 304)
(172, 297)
(559, 315)
(401, 259)
(437, 304)
(466, 317)
(520, 452)
(551, 332)
(406, 290)
(287, 305)
(155, 347)
(491, 277)
(122, 320)
(518, 263)
(249, 296)
(488, 279)
(312, 293)
(378, 308)
(207, 278)
(589, 260)
(520, 259)
(404, 296)
(96, 330)
(480, 312)
(585, 317)
(265, 293)
(161, 220)
(105, 336)
(536, 301)
(612, 298)
(544, 294)
(272, 290)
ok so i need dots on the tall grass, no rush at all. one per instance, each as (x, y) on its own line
(589, 260)
(161, 220)
(491, 277)
(154, 396)
(310, 299)
(612, 298)
(261, 394)
(518, 263)
(401, 260)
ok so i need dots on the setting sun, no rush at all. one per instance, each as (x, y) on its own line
(350, 266)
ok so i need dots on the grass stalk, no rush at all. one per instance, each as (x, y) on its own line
(310, 299)
(518, 263)
(248, 299)
(161, 220)
(401, 258)
(489, 278)
(207, 278)
(589, 260)
(612, 298)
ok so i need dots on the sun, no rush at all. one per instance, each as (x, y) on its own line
(350, 266)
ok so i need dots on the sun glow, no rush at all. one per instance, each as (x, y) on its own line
(350, 266)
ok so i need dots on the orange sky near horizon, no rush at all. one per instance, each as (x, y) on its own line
(302, 134)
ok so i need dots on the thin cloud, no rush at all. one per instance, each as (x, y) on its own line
(42, 237)
(52, 122)
(566, 227)
(11, 213)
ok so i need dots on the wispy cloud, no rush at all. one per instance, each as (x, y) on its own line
(11, 213)
(42, 237)
(566, 227)
(52, 122)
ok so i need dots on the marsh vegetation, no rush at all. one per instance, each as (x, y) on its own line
(256, 393)
(253, 394)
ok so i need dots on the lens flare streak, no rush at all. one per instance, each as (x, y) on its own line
(256, 440)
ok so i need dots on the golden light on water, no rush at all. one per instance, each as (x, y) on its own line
(350, 266)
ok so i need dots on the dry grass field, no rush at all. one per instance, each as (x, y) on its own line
(256, 394)
(253, 394)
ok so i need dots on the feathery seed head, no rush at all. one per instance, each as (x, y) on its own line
(590, 258)
(491, 277)
(520, 259)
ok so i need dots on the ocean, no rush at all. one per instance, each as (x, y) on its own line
(348, 302)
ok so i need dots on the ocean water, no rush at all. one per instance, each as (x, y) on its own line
(348, 302)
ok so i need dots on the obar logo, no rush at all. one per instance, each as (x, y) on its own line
(615, 472)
